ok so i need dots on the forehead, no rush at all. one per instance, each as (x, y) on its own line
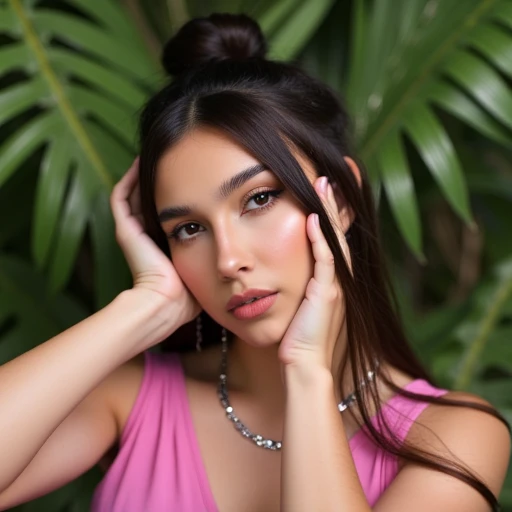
(201, 160)
(204, 157)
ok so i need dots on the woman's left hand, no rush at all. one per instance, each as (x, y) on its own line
(313, 332)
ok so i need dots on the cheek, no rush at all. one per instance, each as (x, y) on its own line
(190, 271)
(288, 241)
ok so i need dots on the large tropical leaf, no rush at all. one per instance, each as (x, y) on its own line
(460, 342)
(291, 27)
(409, 59)
(28, 313)
(72, 78)
(80, 75)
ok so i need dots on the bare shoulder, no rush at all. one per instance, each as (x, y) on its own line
(461, 423)
(467, 435)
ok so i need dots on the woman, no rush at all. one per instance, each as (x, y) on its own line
(245, 182)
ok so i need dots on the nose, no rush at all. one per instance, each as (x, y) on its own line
(233, 253)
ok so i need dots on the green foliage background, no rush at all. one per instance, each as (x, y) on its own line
(427, 83)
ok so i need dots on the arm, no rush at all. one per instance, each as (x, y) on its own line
(318, 472)
(476, 439)
(43, 386)
(58, 409)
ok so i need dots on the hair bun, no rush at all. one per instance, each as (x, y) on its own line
(215, 38)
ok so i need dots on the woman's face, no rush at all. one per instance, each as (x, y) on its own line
(227, 236)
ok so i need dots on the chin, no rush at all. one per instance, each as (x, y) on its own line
(261, 334)
(261, 342)
(265, 331)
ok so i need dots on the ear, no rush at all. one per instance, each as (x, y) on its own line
(346, 213)
(354, 168)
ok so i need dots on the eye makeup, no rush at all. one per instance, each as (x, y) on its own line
(272, 195)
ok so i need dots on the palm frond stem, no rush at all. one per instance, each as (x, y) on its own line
(63, 103)
(465, 374)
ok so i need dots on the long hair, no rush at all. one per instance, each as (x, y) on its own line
(222, 80)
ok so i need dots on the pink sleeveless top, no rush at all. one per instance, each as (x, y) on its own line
(159, 466)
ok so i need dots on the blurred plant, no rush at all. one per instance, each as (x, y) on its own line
(426, 81)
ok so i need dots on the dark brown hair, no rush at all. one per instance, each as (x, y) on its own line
(222, 80)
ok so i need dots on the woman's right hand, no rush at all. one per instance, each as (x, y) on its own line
(151, 269)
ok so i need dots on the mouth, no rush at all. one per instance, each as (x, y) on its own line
(249, 301)
(249, 296)
(254, 306)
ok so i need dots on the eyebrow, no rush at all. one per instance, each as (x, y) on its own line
(226, 188)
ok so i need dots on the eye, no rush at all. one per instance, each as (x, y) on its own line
(185, 232)
(263, 199)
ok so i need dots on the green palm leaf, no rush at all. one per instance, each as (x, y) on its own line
(50, 194)
(439, 155)
(34, 314)
(73, 78)
(407, 56)
(481, 326)
(297, 21)
(400, 191)
(84, 80)
(456, 102)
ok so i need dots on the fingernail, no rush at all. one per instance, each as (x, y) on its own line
(323, 185)
(316, 220)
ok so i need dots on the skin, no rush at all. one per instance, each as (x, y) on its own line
(315, 470)
(220, 252)
(227, 256)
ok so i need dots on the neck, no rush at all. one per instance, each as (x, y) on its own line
(257, 373)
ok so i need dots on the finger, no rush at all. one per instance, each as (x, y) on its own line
(339, 228)
(326, 194)
(323, 272)
(122, 190)
(134, 199)
(126, 183)
(331, 207)
(335, 214)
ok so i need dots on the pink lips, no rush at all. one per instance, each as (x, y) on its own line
(254, 309)
(238, 300)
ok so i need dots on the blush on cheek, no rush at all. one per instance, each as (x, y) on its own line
(190, 273)
(289, 257)
(287, 237)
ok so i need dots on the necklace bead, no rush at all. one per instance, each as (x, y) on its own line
(258, 440)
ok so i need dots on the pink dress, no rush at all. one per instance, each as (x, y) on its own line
(159, 466)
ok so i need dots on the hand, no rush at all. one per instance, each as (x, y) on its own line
(151, 269)
(313, 332)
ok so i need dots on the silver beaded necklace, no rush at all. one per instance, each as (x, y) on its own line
(258, 440)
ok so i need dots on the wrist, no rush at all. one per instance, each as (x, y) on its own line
(148, 314)
(308, 378)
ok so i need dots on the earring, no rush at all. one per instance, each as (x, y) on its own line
(199, 334)
(224, 339)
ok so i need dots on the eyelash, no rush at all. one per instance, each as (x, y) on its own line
(174, 234)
